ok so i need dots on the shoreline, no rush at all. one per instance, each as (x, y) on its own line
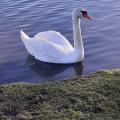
(93, 97)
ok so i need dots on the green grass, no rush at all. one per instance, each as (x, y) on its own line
(94, 97)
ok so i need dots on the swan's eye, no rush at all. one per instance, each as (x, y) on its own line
(85, 15)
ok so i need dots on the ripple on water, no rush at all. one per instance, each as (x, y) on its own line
(100, 36)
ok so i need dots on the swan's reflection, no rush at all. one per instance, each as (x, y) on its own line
(49, 69)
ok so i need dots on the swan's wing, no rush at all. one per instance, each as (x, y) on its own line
(54, 37)
(46, 51)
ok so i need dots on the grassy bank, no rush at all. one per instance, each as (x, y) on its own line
(95, 97)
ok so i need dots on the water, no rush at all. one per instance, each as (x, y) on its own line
(100, 36)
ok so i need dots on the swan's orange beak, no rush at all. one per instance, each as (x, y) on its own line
(87, 16)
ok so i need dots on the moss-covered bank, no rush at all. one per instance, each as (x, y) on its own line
(95, 97)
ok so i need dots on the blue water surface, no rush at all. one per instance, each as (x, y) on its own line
(101, 37)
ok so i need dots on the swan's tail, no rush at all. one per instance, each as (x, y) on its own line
(24, 36)
(26, 40)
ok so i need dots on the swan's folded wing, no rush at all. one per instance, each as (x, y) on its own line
(44, 50)
(54, 37)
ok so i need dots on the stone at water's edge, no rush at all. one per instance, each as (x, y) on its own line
(94, 97)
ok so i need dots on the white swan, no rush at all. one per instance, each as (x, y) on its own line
(52, 47)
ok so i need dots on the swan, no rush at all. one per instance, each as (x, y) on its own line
(53, 47)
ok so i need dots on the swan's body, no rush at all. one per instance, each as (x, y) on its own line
(51, 46)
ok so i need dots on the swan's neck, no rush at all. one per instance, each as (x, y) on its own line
(78, 43)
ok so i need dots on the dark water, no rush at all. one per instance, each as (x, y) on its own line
(101, 37)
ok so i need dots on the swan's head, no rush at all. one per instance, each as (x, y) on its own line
(80, 13)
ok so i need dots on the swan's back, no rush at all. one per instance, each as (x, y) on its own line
(49, 46)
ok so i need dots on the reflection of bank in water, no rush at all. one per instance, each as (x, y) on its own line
(50, 70)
